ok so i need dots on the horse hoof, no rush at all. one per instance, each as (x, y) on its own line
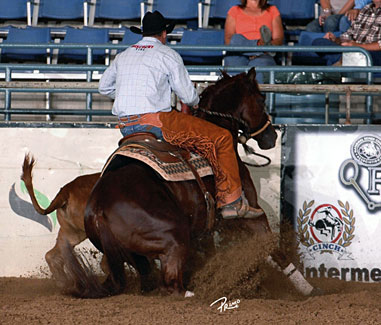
(188, 294)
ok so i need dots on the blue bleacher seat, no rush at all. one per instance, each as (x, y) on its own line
(179, 10)
(295, 12)
(61, 9)
(130, 38)
(32, 35)
(14, 9)
(220, 8)
(118, 9)
(202, 37)
(86, 35)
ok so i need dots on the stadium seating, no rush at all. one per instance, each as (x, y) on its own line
(28, 35)
(130, 37)
(216, 11)
(14, 9)
(87, 35)
(59, 10)
(220, 8)
(185, 10)
(202, 37)
(175, 9)
(295, 12)
(118, 9)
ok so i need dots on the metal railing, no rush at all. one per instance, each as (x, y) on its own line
(89, 70)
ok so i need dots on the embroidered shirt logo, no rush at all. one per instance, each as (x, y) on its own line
(142, 47)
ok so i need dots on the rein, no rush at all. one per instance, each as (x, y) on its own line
(238, 119)
(250, 150)
(242, 139)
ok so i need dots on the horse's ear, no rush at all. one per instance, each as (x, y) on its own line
(225, 74)
(252, 74)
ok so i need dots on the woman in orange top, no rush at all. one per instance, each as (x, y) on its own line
(253, 23)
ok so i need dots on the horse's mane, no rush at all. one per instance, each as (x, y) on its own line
(221, 86)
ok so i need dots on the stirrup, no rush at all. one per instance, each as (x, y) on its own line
(240, 210)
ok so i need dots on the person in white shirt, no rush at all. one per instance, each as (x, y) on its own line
(141, 79)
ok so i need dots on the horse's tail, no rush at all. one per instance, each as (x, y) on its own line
(82, 282)
(58, 202)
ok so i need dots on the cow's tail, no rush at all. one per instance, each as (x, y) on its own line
(58, 202)
(81, 280)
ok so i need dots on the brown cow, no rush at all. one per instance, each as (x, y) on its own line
(70, 203)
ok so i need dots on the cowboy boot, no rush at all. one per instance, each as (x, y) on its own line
(240, 209)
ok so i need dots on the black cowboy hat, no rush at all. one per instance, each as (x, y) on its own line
(153, 24)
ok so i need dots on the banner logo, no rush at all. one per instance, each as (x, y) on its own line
(366, 156)
(326, 229)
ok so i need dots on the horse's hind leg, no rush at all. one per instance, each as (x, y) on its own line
(172, 267)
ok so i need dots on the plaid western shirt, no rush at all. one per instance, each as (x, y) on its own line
(141, 78)
(366, 28)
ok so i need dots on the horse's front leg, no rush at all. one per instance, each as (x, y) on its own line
(172, 268)
(259, 225)
(144, 266)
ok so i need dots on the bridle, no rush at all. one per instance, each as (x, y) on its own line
(264, 127)
(245, 136)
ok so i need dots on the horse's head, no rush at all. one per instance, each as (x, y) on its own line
(242, 105)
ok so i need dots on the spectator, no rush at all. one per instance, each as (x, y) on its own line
(351, 15)
(331, 13)
(253, 23)
(365, 32)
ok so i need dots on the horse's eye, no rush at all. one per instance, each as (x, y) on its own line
(262, 99)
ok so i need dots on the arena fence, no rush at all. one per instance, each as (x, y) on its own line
(199, 73)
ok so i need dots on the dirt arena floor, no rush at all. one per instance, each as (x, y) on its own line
(255, 294)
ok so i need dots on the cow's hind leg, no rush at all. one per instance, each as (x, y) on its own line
(54, 257)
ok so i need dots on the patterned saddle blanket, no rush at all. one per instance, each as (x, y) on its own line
(162, 157)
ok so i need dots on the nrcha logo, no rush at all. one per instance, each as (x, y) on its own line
(326, 228)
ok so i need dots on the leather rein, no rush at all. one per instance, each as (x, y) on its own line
(243, 138)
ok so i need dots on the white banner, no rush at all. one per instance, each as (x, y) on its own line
(333, 177)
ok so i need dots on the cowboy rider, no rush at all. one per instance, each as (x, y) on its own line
(141, 79)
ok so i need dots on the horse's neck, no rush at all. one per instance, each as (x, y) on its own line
(222, 122)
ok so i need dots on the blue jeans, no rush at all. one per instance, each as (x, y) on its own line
(331, 24)
(127, 130)
(333, 57)
(344, 24)
(262, 59)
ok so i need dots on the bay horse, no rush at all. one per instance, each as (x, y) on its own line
(135, 216)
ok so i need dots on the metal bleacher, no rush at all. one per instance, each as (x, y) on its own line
(72, 62)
